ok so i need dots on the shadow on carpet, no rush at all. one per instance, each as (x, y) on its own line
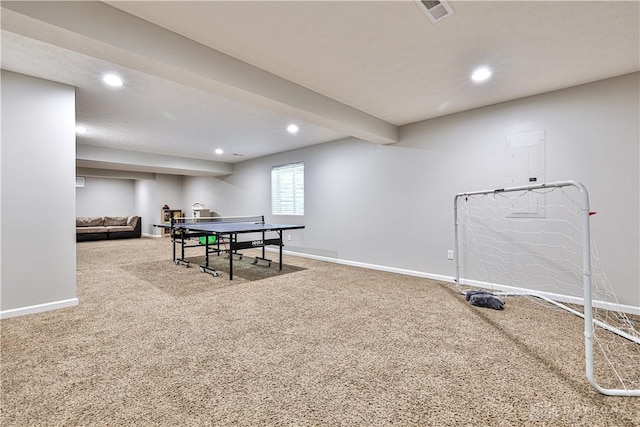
(178, 280)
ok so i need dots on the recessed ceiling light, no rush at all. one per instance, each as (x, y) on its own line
(219, 151)
(112, 80)
(81, 130)
(292, 128)
(481, 75)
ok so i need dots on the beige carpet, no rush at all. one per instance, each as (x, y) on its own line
(152, 343)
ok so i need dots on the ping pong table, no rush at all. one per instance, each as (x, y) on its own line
(220, 235)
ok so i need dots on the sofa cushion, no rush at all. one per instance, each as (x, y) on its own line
(132, 221)
(113, 228)
(86, 230)
(92, 221)
(115, 220)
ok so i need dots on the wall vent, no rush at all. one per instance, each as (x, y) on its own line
(435, 10)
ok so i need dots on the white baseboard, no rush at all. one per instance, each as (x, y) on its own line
(569, 299)
(370, 266)
(39, 308)
(150, 235)
(630, 309)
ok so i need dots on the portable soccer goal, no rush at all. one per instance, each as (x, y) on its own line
(535, 241)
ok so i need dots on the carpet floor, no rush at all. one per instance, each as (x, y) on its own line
(317, 344)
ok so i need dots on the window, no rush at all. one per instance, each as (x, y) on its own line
(287, 189)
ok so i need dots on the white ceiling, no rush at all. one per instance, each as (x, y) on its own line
(212, 74)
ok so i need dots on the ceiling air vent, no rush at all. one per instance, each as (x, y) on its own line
(435, 10)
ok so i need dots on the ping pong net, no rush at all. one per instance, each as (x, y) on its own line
(255, 219)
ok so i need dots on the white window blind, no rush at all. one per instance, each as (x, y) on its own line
(287, 189)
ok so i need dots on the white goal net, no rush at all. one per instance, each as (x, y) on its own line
(535, 240)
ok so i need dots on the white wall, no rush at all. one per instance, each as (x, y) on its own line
(38, 255)
(169, 192)
(145, 201)
(393, 205)
(224, 197)
(104, 196)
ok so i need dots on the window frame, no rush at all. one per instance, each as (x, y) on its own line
(287, 189)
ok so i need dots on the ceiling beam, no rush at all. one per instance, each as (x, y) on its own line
(90, 156)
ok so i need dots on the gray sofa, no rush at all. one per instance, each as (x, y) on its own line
(108, 227)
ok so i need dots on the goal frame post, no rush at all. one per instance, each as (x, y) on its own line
(586, 273)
